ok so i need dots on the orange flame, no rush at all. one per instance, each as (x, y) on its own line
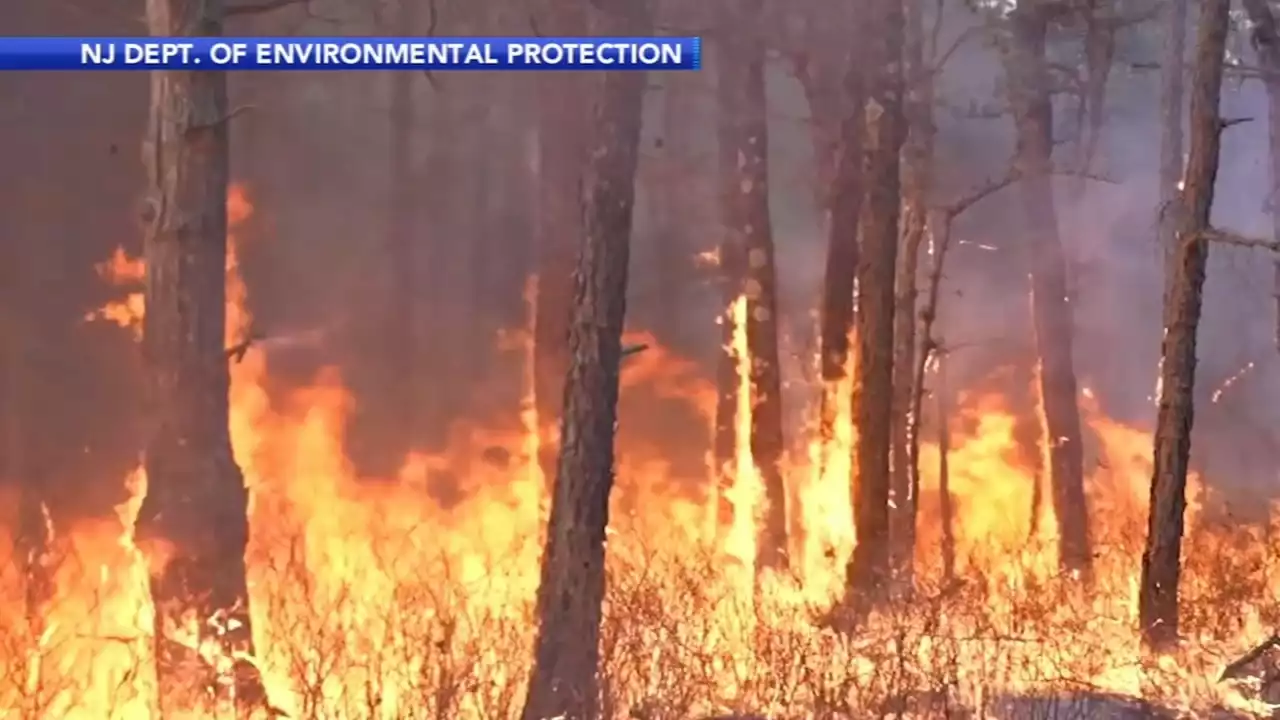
(411, 595)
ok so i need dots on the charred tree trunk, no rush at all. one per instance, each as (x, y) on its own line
(731, 277)
(843, 200)
(564, 112)
(566, 654)
(916, 185)
(1158, 593)
(193, 521)
(940, 222)
(1266, 42)
(1027, 71)
(833, 86)
(725, 441)
(744, 144)
(873, 414)
(1172, 101)
(946, 510)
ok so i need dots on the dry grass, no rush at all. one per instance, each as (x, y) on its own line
(680, 640)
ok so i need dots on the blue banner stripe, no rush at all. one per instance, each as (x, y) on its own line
(347, 53)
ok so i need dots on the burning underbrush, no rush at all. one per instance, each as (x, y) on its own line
(375, 600)
(385, 626)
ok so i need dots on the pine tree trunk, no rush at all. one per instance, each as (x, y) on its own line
(566, 654)
(1266, 41)
(193, 521)
(885, 132)
(564, 112)
(1027, 70)
(1172, 106)
(916, 186)
(1158, 593)
(744, 143)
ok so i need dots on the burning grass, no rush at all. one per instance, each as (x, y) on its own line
(413, 636)
(377, 600)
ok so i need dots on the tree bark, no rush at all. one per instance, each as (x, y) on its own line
(885, 132)
(831, 77)
(1158, 593)
(192, 523)
(917, 182)
(946, 509)
(564, 112)
(1027, 71)
(744, 149)
(1172, 101)
(1266, 42)
(566, 653)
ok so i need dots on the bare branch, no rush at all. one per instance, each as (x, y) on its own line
(1229, 238)
(993, 186)
(939, 60)
(1086, 176)
(1236, 668)
(984, 191)
(231, 115)
(935, 33)
(634, 349)
(1123, 20)
(237, 352)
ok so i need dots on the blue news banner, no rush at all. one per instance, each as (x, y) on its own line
(219, 53)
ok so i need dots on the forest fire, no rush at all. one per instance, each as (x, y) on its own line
(737, 451)
(370, 603)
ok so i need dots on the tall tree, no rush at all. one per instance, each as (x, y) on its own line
(917, 182)
(193, 521)
(744, 162)
(1158, 593)
(884, 135)
(564, 112)
(831, 76)
(1172, 106)
(564, 680)
(1266, 42)
(1027, 72)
